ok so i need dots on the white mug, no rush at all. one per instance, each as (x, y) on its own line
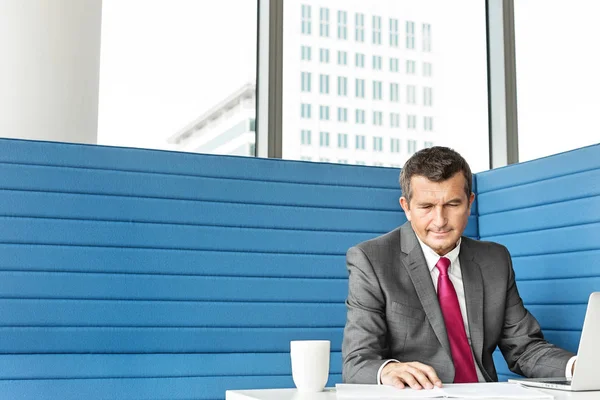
(310, 364)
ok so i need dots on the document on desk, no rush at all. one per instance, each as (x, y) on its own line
(462, 391)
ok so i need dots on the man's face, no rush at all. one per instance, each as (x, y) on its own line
(438, 211)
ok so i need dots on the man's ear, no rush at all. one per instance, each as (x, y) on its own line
(471, 200)
(405, 206)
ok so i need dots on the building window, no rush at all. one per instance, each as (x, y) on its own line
(306, 23)
(427, 69)
(395, 120)
(342, 114)
(360, 116)
(305, 158)
(427, 144)
(427, 96)
(411, 97)
(427, 37)
(410, 67)
(305, 53)
(359, 24)
(376, 30)
(394, 62)
(305, 111)
(342, 161)
(360, 88)
(323, 159)
(427, 123)
(377, 118)
(324, 55)
(305, 137)
(411, 121)
(324, 139)
(412, 146)
(377, 62)
(324, 113)
(360, 142)
(360, 163)
(394, 92)
(377, 90)
(342, 18)
(342, 58)
(410, 35)
(377, 143)
(324, 84)
(395, 145)
(324, 25)
(342, 86)
(393, 32)
(343, 140)
(305, 81)
(359, 60)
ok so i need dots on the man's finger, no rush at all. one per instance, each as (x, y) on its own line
(410, 380)
(430, 372)
(420, 377)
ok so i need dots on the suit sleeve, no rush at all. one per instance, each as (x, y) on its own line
(522, 342)
(365, 346)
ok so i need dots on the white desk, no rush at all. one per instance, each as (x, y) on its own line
(329, 394)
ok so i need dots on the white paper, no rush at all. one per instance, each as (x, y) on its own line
(464, 391)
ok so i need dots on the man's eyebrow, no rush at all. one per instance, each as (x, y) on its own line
(454, 200)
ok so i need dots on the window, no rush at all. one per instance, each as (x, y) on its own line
(427, 96)
(305, 137)
(377, 62)
(359, 24)
(305, 81)
(342, 161)
(376, 30)
(306, 23)
(342, 58)
(324, 25)
(393, 32)
(395, 145)
(427, 144)
(305, 53)
(411, 94)
(342, 18)
(323, 159)
(342, 140)
(360, 142)
(359, 60)
(305, 111)
(305, 158)
(342, 114)
(360, 163)
(324, 84)
(427, 123)
(394, 64)
(342, 86)
(360, 88)
(410, 67)
(412, 146)
(394, 92)
(377, 118)
(410, 35)
(427, 69)
(360, 116)
(395, 120)
(411, 121)
(324, 56)
(377, 143)
(426, 37)
(324, 113)
(324, 139)
(377, 90)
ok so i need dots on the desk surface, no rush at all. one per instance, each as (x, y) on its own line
(329, 394)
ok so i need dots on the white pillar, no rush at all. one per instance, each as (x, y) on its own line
(49, 69)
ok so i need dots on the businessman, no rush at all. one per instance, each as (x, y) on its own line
(428, 305)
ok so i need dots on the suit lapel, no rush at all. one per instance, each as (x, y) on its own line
(473, 285)
(415, 265)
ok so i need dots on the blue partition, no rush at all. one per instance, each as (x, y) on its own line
(547, 212)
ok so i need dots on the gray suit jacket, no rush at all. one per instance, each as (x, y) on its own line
(393, 312)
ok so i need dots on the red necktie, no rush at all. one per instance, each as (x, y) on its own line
(459, 345)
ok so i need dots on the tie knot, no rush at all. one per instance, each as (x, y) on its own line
(442, 265)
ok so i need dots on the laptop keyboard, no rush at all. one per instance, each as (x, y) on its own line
(558, 381)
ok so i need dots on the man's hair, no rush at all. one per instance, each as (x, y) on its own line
(436, 164)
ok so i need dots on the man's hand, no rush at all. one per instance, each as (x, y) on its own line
(413, 374)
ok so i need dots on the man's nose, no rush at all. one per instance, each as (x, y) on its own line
(439, 218)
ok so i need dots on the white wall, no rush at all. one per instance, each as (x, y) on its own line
(49, 69)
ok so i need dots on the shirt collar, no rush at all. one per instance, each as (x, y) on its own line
(431, 257)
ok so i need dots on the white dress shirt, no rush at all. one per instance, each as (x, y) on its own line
(455, 275)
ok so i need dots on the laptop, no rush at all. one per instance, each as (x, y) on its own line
(585, 376)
